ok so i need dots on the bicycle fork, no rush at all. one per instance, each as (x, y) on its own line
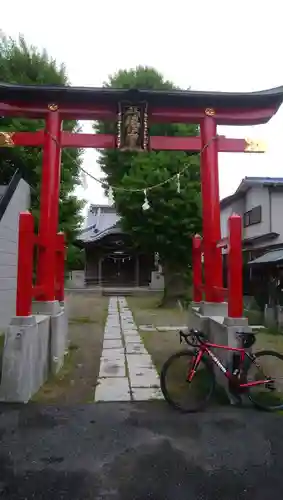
(196, 362)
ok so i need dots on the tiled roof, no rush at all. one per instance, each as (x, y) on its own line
(269, 257)
(246, 184)
(44, 94)
(101, 220)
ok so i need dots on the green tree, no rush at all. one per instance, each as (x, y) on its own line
(23, 64)
(173, 217)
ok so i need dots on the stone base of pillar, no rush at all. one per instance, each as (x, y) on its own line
(59, 330)
(214, 308)
(25, 365)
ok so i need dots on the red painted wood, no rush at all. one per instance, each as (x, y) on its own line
(244, 116)
(74, 112)
(28, 138)
(197, 268)
(25, 264)
(107, 141)
(60, 265)
(222, 116)
(223, 243)
(49, 206)
(177, 115)
(103, 141)
(26, 110)
(81, 111)
(165, 143)
(235, 268)
(210, 210)
(225, 144)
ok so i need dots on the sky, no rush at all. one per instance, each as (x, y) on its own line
(222, 45)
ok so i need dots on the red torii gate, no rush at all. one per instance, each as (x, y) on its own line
(141, 108)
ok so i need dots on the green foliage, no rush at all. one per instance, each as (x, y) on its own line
(22, 64)
(173, 217)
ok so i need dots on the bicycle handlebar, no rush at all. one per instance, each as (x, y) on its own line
(195, 335)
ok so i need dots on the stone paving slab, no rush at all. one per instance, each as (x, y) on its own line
(170, 328)
(139, 360)
(143, 394)
(147, 378)
(113, 389)
(113, 354)
(112, 344)
(144, 371)
(134, 348)
(152, 328)
(132, 338)
(109, 368)
(112, 336)
(147, 328)
(128, 333)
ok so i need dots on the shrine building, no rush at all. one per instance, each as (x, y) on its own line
(111, 257)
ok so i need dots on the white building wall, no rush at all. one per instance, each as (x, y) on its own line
(9, 225)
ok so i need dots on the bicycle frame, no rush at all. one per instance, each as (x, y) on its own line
(204, 348)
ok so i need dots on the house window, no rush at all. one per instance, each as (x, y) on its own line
(253, 216)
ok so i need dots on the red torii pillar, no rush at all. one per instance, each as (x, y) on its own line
(49, 204)
(210, 207)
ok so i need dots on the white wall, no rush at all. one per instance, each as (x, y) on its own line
(277, 214)
(224, 216)
(9, 252)
(237, 207)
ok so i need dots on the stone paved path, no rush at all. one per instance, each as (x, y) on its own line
(126, 369)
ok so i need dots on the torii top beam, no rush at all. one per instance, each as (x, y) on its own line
(229, 108)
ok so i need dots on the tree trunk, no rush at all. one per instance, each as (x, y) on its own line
(175, 285)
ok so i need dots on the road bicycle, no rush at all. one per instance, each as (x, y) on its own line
(188, 380)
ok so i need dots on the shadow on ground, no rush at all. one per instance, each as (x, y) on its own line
(138, 451)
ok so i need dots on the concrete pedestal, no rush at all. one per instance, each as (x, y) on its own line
(157, 281)
(214, 308)
(77, 279)
(58, 331)
(220, 329)
(25, 358)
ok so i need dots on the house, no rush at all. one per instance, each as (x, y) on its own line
(259, 200)
(111, 258)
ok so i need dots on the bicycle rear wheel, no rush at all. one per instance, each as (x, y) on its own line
(187, 397)
(266, 365)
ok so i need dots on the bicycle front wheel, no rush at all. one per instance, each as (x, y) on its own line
(185, 396)
(266, 365)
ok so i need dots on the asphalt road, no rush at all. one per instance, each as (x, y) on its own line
(139, 451)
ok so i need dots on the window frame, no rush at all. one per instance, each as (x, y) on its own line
(247, 217)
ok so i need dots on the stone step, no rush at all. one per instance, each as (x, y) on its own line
(117, 292)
